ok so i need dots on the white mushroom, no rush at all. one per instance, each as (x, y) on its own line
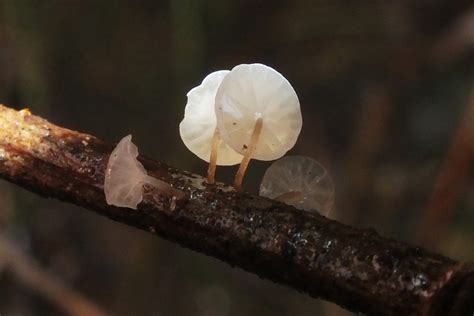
(258, 114)
(198, 129)
(299, 181)
(125, 177)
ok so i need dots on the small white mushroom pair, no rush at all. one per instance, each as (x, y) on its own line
(125, 177)
(250, 112)
(299, 181)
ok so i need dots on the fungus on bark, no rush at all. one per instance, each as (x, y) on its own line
(258, 114)
(299, 181)
(199, 130)
(125, 177)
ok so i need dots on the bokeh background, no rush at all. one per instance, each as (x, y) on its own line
(386, 89)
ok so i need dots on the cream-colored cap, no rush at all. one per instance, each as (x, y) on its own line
(199, 123)
(251, 91)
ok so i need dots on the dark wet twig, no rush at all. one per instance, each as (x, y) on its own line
(355, 268)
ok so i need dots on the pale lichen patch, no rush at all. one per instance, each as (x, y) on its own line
(194, 181)
(375, 263)
(25, 112)
(14, 129)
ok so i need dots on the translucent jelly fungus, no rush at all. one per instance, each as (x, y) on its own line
(258, 114)
(299, 181)
(198, 129)
(125, 177)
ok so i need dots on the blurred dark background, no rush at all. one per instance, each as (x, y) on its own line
(386, 93)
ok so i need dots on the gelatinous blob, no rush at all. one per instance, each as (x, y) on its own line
(125, 177)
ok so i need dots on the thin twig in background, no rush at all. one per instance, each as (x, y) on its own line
(354, 268)
(456, 41)
(372, 127)
(451, 181)
(29, 272)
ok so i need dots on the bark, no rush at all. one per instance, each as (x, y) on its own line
(355, 268)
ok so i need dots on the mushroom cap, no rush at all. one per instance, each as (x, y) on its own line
(300, 174)
(251, 91)
(124, 176)
(199, 123)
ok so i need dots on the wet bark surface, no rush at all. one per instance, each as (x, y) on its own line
(355, 268)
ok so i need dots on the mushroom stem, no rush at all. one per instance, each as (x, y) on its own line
(288, 196)
(163, 187)
(211, 171)
(239, 176)
(330, 208)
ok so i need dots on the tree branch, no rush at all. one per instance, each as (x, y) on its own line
(355, 268)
